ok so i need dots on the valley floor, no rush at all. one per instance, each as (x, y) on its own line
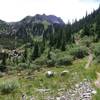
(73, 85)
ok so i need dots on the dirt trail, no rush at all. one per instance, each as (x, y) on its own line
(90, 59)
(97, 82)
(77, 40)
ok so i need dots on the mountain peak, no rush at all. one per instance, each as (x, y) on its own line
(52, 19)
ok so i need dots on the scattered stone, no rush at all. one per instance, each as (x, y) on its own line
(62, 98)
(32, 98)
(77, 85)
(30, 77)
(42, 90)
(81, 91)
(63, 73)
(24, 97)
(49, 73)
(49, 98)
(57, 98)
(62, 89)
(19, 74)
(94, 92)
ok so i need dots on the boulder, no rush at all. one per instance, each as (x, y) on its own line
(94, 92)
(61, 98)
(49, 73)
(65, 72)
(24, 97)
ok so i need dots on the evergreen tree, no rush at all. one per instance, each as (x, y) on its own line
(98, 29)
(68, 32)
(86, 31)
(25, 54)
(4, 60)
(59, 39)
(63, 47)
(49, 55)
(35, 53)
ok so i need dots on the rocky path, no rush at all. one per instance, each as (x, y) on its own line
(97, 82)
(81, 91)
(90, 59)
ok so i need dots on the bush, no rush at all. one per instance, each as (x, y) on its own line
(23, 66)
(3, 68)
(97, 52)
(35, 67)
(97, 59)
(67, 60)
(79, 52)
(50, 63)
(40, 61)
(9, 86)
(87, 41)
(97, 49)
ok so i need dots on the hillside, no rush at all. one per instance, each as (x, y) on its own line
(30, 22)
(42, 58)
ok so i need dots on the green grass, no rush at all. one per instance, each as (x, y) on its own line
(37, 80)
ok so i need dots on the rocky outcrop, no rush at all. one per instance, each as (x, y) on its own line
(34, 24)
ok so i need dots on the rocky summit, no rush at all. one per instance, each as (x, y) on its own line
(32, 22)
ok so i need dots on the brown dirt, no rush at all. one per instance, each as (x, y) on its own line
(90, 58)
(97, 82)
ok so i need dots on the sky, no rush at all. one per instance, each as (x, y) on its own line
(15, 10)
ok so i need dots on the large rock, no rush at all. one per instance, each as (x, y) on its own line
(65, 72)
(49, 73)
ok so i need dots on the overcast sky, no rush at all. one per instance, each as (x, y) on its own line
(15, 10)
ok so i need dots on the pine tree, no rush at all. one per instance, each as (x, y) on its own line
(63, 48)
(49, 55)
(4, 60)
(35, 53)
(68, 32)
(86, 31)
(25, 54)
(98, 29)
(3, 63)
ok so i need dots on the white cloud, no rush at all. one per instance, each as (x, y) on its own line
(14, 10)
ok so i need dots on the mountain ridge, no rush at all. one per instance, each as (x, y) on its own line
(28, 21)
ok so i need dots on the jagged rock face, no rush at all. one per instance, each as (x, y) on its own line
(40, 18)
(4, 27)
(36, 25)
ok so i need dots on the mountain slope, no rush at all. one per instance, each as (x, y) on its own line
(35, 24)
(92, 18)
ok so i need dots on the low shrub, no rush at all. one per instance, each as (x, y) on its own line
(23, 66)
(97, 49)
(87, 41)
(50, 63)
(67, 60)
(97, 59)
(9, 86)
(3, 68)
(35, 67)
(97, 52)
(78, 52)
(40, 61)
